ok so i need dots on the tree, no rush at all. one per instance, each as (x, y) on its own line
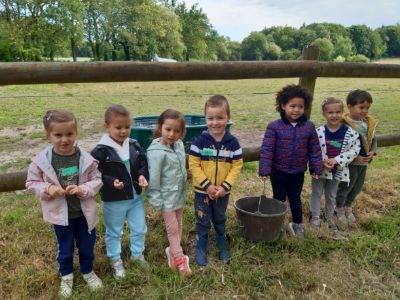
(254, 46)
(304, 36)
(291, 54)
(283, 36)
(195, 29)
(325, 48)
(343, 47)
(272, 51)
(391, 37)
(360, 34)
(65, 22)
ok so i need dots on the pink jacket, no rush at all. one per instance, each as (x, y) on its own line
(55, 210)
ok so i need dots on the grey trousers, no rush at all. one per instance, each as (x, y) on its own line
(322, 186)
(347, 193)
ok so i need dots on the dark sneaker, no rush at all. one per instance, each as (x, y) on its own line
(297, 230)
(331, 225)
(315, 223)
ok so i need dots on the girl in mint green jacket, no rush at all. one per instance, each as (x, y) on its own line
(167, 184)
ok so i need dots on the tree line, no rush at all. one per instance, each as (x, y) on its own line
(38, 30)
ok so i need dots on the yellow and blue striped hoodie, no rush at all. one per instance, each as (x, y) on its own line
(213, 162)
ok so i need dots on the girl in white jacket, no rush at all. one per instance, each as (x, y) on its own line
(340, 145)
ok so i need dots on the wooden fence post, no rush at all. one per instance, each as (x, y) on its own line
(310, 52)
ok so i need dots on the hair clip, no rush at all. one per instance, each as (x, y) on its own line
(48, 117)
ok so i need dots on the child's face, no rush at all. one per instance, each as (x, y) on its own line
(216, 119)
(359, 111)
(171, 131)
(63, 136)
(119, 128)
(294, 108)
(333, 114)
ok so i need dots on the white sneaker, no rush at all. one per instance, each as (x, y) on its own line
(141, 261)
(66, 285)
(118, 268)
(349, 215)
(93, 281)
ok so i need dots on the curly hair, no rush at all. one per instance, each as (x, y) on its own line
(289, 92)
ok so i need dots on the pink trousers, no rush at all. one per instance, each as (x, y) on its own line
(173, 224)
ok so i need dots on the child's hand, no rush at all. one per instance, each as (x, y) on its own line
(56, 191)
(212, 190)
(142, 181)
(362, 159)
(315, 176)
(220, 192)
(119, 185)
(330, 163)
(369, 156)
(73, 190)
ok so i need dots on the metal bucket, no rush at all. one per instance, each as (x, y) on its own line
(262, 222)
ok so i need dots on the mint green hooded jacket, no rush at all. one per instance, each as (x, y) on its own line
(167, 182)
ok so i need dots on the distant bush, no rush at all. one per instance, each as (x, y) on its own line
(358, 58)
(340, 59)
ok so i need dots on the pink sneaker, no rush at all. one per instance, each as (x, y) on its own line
(182, 264)
(169, 258)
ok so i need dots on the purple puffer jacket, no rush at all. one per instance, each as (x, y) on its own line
(288, 148)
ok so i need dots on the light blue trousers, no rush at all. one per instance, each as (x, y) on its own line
(115, 213)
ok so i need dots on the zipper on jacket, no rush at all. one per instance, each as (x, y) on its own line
(216, 167)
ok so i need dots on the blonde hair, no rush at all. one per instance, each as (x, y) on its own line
(58, 116)
(331, 100)
(218, 101)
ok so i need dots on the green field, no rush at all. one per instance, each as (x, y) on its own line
(365, 264)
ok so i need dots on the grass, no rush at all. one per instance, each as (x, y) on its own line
(363, 265)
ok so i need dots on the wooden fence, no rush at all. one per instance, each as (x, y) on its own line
(84, 72)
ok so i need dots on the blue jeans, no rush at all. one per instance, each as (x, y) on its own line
(66, 236)
(210, 211)
(290, 186)
(115, 213)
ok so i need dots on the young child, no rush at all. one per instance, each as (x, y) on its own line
(289, 144)
(66, 180)
(167, 188)
(123, 166)
(340, 145)
(358, 104)
(215, 160)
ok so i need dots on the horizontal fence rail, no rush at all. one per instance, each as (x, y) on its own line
(16, 181)
(84, 72)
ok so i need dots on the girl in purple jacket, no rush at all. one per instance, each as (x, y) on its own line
(66, 180)
(289, 144)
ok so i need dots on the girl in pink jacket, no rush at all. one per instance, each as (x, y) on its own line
(66, 180)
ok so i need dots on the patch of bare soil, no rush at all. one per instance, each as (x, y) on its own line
(249, 138)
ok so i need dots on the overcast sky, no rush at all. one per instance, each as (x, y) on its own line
(237, 18)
